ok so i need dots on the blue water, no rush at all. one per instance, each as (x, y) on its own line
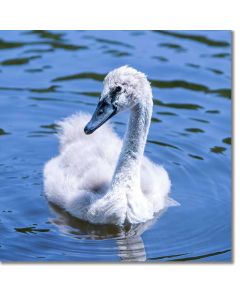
(45, 76)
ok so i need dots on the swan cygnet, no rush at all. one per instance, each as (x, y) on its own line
(99, 178)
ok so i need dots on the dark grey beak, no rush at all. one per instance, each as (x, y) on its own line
(104, 111)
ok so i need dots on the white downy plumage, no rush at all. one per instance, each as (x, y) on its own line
(99, 178)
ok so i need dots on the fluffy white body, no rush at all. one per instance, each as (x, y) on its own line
(99, 178)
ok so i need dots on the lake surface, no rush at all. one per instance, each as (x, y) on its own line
(45, 76)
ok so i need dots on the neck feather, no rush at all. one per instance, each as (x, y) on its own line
(128, 167)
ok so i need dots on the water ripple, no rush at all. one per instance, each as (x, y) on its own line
(109, 42)
(18, 61)
(47, 75)
(196, 38)
(226, 93)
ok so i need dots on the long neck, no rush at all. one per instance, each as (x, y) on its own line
(127, 171)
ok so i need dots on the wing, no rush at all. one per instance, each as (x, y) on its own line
(85, 163)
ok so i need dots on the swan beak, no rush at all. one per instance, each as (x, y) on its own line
(104, 111)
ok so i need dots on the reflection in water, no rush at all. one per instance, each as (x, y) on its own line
(131, 249)
(93, 76)
(201, 256)
(33, 70)
(130, 245)
(31, 229)
(117, 53)
(49, 89)
(227, 140)
(19, 61)
(3, 132)
(108, 42)
(176, 47)
(218, 149)
(178, 105)
(199, 120)
(214, 111)
(155, 120)
(39, 50)
(194, 130)
(46, 34)
(226, 93)
(166, 113)
(163, 144)
(192, 65)
(215, 71)
(10, 45)
(162, 84)
(54, 44)
(221, 55)
(195, 156)
(45, 99)
(160, 58)
(195, 38)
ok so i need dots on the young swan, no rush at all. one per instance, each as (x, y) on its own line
(88, 180)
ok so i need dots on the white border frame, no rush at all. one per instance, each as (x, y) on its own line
(108, 281)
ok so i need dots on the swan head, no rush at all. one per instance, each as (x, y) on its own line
(124, 88)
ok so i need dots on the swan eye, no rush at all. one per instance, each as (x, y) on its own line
(118, 89)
